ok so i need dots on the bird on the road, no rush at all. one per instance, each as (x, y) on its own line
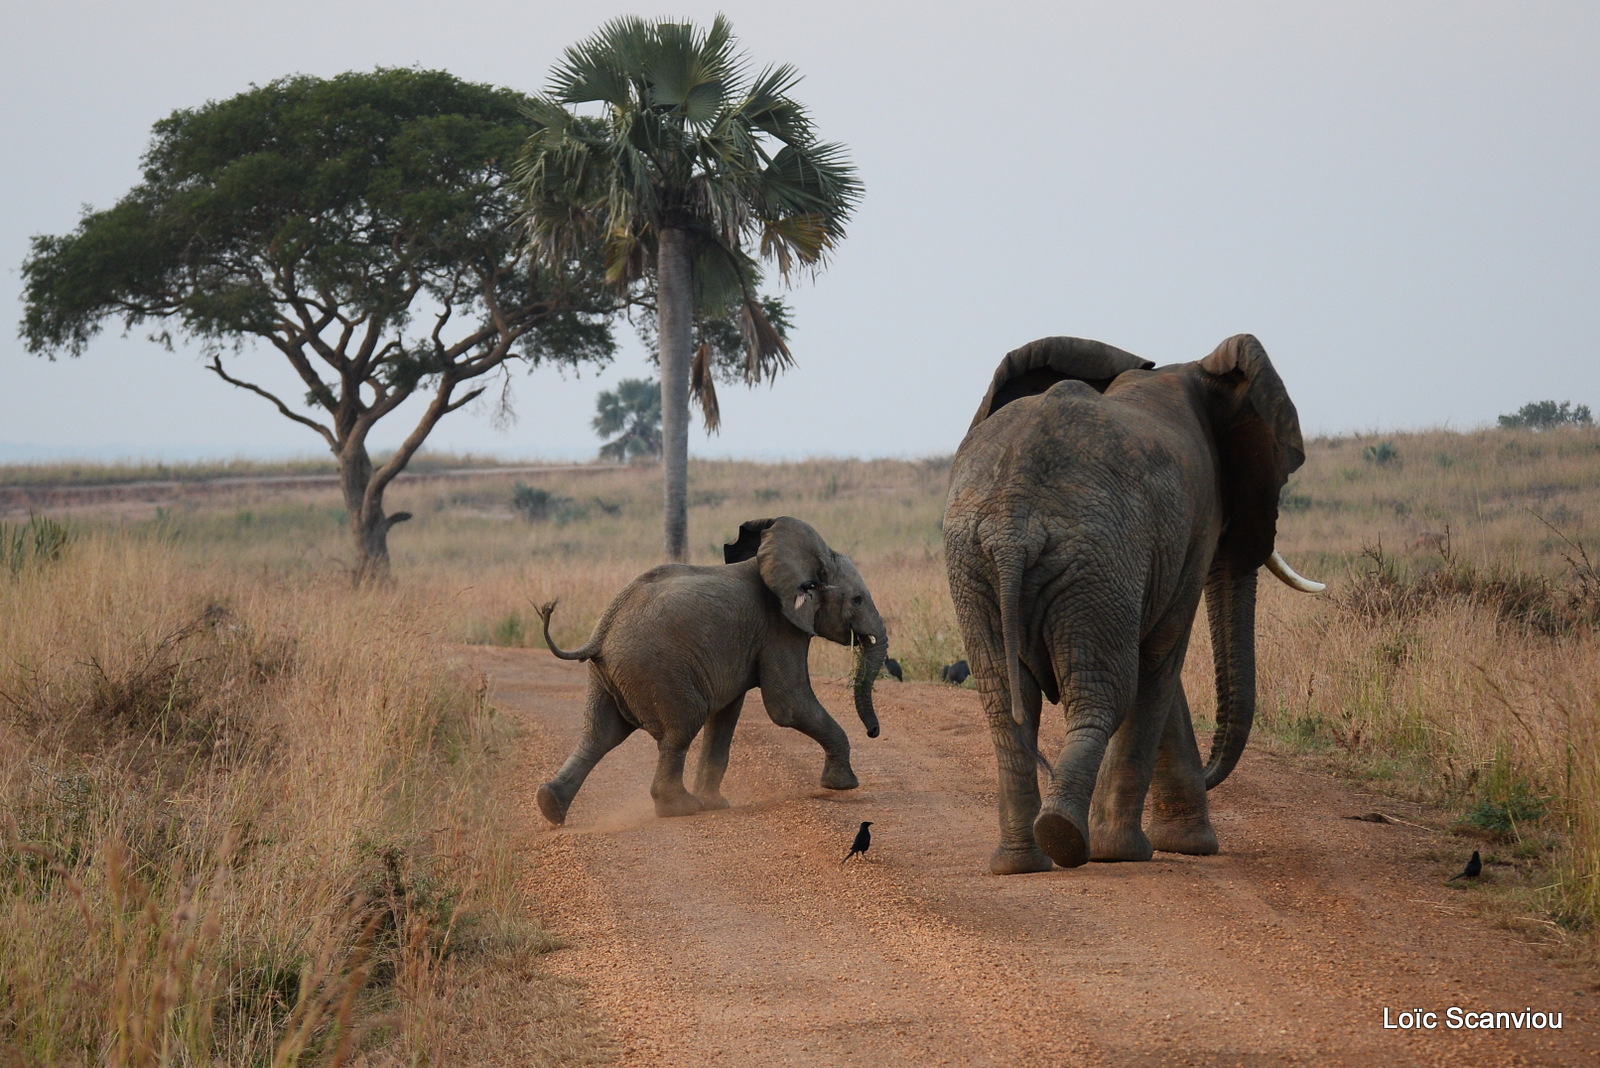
(862, 842)
(1473, 869)
(892, 666)
(955, 673)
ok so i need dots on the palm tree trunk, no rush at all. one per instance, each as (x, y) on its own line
(675, 316)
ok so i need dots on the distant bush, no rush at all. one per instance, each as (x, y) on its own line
(535, 504)
(1290, 501)
(1545, 415)
(1385, 452)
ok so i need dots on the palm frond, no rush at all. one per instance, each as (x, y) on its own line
(769, 108)
(703, 388)
(625, 255)
(724, 274)
(802, 237)
(766, 354)
(599, 68)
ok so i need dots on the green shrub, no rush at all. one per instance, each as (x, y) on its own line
(1383, 453)
(1505, 817)
(536, 504)
(39, 540)
(1290, 501)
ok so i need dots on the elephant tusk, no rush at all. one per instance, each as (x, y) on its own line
(1280, 567)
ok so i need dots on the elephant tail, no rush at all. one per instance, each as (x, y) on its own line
(587, 652)
(1008, 572)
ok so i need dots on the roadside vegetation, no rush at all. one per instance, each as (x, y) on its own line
(243, 796)
(242, 816)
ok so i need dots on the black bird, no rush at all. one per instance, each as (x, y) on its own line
(892, 666)
(862, 842)
(1473, 869)
(955, 673)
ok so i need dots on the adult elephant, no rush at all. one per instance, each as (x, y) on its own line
(681, 645)
(1092, 501)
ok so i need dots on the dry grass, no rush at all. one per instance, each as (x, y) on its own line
(242, 817)
(1452, 662)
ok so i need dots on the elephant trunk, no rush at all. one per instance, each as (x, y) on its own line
(871, 649)
(1231, 608)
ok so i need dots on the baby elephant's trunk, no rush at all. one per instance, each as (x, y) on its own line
(871, 649)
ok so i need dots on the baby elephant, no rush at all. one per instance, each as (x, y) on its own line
(681, 645)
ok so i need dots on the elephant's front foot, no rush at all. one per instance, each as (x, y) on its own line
(1009, 860)
(678, 804)
(714, 801)
(551, 806)
(836, 775)
(1120, 841)
(1194, 837)
(1063, 836)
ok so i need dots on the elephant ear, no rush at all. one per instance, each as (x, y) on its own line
(1258, 437)
(1038, 365)
(795, 563)
(749, 540)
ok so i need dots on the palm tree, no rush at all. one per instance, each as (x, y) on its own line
(688, 162)
(633, 412)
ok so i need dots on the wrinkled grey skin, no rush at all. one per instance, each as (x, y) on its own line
(681, 645)
(1091, 502)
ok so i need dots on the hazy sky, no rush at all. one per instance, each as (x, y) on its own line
(1402, 200)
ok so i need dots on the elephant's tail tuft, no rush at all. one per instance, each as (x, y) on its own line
(587, 652)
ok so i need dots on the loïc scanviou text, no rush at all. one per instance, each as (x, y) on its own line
(1456, 1018)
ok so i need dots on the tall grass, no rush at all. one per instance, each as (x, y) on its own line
(226, 802)
(1450, 662)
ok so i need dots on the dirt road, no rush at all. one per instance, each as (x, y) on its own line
(737, 938)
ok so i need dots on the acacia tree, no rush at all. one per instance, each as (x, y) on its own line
(689, 162)
(364, 226)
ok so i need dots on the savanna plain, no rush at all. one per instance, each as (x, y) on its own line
(254, 814)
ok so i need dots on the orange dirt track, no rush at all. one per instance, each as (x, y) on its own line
(737, 938)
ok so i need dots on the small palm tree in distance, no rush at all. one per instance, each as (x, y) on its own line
(632, 412)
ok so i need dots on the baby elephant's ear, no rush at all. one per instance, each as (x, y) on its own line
(749, 541)
(794, 562)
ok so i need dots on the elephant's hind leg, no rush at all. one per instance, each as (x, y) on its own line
(1099, 683)
(667, 788)
(1180, 818)
(714, 748)
(1015, 746)
(1117, 813)
(603, 730)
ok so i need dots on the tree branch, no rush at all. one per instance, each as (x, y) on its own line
(437, 409)
(327, 435)
(464, 401)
